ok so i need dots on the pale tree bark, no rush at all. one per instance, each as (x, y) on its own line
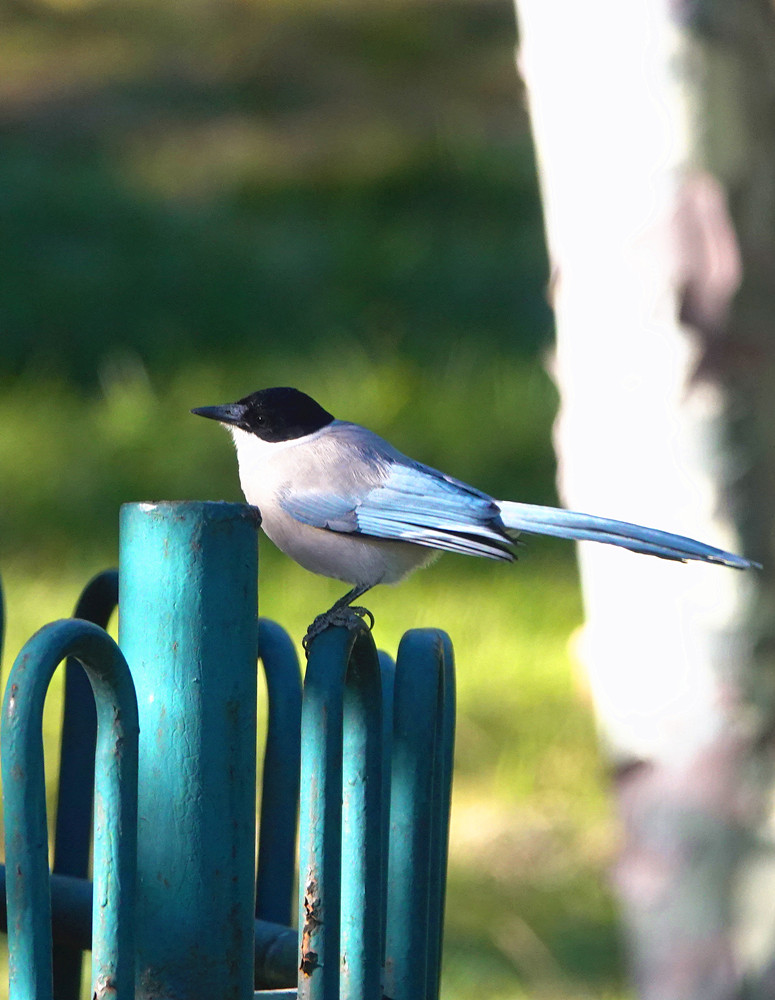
(654, 125)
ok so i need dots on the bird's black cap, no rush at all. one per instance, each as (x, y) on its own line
(279, 414)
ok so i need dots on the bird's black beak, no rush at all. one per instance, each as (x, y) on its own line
(229, 413)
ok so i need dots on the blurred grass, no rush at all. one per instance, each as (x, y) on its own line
(199, 200)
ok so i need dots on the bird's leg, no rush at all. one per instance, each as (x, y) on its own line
(341, 613)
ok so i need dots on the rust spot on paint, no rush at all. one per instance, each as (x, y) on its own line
(309, 961)
(105, 989)
(312, 920)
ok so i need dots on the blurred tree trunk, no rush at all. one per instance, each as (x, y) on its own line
(654, 124)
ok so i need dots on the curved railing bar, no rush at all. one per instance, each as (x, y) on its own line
(340, 745)
(422, 749)
(362, 818)
(280, 777)
(444, 753)
(387, 668)
(75, 786)
(24, 796)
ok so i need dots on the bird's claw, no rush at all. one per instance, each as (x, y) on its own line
(346, 617)
(362, 614)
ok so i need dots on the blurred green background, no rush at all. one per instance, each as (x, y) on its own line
(202, 199)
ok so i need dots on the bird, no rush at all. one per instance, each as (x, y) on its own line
(344, 503)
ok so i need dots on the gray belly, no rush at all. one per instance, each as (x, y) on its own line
(355, 559)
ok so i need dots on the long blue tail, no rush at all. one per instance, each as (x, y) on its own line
(526, 517)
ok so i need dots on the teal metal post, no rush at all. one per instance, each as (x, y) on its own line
(115, 800)
(188, 628)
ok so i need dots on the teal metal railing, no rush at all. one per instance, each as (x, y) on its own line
(24, 800)
(366, 744)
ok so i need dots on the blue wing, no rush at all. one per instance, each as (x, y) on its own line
(412, 503)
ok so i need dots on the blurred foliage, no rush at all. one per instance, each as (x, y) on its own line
(200, 199)
(237, 196)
